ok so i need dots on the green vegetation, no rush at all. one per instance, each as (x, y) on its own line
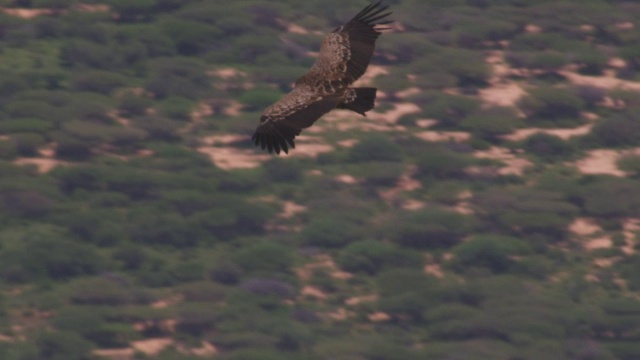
(451, 233)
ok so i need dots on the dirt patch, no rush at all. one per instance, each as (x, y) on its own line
(513, 165)
(322, 261)
(631, 233)
(372, 72)
(398, 111)
(443, 136)
(584, 227)
(564, 134)
(607, 81)
(27, 13)
(229, 158)
(116, 354)
(435, 270)
(290, 209)
(206, 349)
(361, 299)
(44, 165)
(152, 347)
(506, 94)
(313, 292)
(601, 161)
(378, 316)
(598, 243)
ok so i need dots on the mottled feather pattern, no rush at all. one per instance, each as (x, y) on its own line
(344, 56)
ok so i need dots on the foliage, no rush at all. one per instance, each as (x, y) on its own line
(117, 226)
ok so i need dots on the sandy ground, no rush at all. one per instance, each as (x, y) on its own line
(584, 227)
(152, 347)
(443, 136)
(608, 81)
(601, 161)
(564, 134)
(513, 165)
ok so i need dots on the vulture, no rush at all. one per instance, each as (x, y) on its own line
(344, 56)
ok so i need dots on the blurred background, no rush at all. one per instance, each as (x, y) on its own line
(488, 208)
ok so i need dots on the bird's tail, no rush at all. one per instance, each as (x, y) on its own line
(359, 100)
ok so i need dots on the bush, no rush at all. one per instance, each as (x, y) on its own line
(429, 228)
(134, 105)
(103, 82)
(49, 256)
(370, 257)
(375, 148)
(264, 257)
(548, 147)
(175, 108)
(489, 124)
(62, 345)
(552, 105)
(526, 211)
(27, 144)
(202, 291)
(450, 110)
(441, 163)
(280, 170)
(259, 98)
(330, 232)
(611, 197)
(495, 253)
(618, 130)
(630, 163)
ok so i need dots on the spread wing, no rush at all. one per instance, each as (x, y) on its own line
(346, 52)
(281, 122)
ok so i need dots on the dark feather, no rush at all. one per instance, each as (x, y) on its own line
(344, 57)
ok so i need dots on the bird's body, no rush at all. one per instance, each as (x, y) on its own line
(344, 56)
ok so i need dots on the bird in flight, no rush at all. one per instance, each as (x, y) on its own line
(344, 56)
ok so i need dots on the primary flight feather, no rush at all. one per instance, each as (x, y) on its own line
(344, 56)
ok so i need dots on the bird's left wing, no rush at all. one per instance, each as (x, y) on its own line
(282, 122)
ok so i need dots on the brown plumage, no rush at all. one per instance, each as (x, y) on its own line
(344, 56)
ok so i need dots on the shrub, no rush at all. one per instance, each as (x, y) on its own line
(50, 256)
(618, 130)
(450, 110)
(429, 228)
(202, 291)
(526, 211)
(330, 232)
(175, 108)
(493, 122)
(27, 144)
(264, 257)
(259, 98)
(370, 256)
(62, 345)
(440, 163)
(195, 319)
(488, 251)
(267, 287)
(100, 291)
(375, 148)
(134, 105)
(551, 104)
(548, 147)
(185, 77)
(280, 170)
(378, 173)
(159, 128)
(630, 163)
(611, 197)
(103, 82)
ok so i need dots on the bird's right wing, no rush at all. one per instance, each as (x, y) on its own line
(346, 52)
